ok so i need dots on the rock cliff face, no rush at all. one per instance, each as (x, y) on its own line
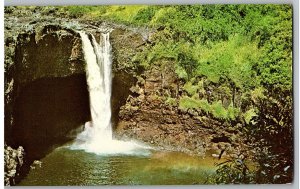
(51, 51)
(46, 97)
(147, 116)
(44, 82)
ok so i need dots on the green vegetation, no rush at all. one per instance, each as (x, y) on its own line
(186, 103)
(122, 14)
(190, 88)
(235, 63)
(171, 101)
(249, 115)
(216, 108)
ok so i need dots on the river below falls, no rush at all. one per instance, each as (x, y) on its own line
(64, 167)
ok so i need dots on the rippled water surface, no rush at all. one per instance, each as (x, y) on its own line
(75, 167)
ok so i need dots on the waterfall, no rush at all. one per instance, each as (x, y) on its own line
(98, 71)
(97, 135)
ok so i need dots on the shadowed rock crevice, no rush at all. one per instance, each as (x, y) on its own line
(121, 83)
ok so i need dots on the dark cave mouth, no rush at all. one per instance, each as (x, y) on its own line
(47, 109)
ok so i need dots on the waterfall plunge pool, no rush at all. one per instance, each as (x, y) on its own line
(65, 167)
(95, 158)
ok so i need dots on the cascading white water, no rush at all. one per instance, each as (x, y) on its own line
(97, 135)
(98, 70)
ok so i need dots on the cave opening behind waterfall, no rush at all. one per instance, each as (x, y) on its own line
(45, 112)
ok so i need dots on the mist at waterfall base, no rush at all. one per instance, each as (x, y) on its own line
(97, 135)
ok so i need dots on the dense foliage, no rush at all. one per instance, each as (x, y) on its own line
(235, 63)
